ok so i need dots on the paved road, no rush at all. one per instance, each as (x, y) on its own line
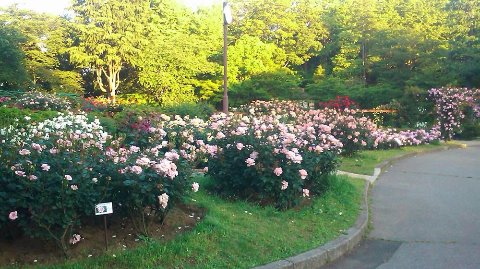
(426, 214)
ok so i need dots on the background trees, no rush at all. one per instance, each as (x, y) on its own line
(372, 50)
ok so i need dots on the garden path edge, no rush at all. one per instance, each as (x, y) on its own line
(333, 250)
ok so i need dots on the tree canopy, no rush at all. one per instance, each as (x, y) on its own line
(174, 54)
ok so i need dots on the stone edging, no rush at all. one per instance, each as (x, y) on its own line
(333, 250)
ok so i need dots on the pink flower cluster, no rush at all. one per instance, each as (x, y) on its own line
(449, 104)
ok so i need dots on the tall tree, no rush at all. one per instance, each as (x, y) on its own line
(44, 45)
(111, 34)
(293, 26)
(12, 71)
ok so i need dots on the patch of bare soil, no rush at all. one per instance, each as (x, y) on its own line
(121, 236)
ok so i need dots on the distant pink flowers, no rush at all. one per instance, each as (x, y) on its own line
(68, 177)
(163, 200)
(240, 146)
(45, 167)
(306, 193)
(24, 152)
(250, 162)
(303, 173)
(136, 169)
(195, 186)
(278, 171)
(13, 215)
(284, 185)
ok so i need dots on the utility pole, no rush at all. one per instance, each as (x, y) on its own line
(227, 19)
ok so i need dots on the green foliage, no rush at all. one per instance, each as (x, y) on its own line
(198, 110)
(111, 34)
(294, 28)
(13, 115)
(12, 71)
(45, 40)
(279, 84)
(250, 56)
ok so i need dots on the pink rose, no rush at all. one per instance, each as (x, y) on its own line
(240, 146)
(163, 200)
(136, 169)
(74, 187)
(24, 152)
(284, 185)
(68, 177)
(306, 193)
(278, 171)
(303, 173)
(45, 167)
(13, 215)
(195, 186)
(250, 162)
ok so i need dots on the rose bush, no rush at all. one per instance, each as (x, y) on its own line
(43, 101)
(55, 171)
(261, 158)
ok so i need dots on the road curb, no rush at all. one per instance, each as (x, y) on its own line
(332, 250)
(381, 166)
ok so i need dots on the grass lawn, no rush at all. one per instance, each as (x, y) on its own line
(364, 162)
(243, 235)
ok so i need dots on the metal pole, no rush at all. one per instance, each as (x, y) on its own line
(105, 224)
(225, 90)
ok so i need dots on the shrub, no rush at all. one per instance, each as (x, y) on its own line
(340, 103)
(199, 110)
(54, 172)
(43, 101)
(266, 86)
(260, 158)
(23, 117)
(449, 107)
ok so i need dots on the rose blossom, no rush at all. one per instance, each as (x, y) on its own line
(303, 173)
(24, 152)
(74, 187)
(68, 177)
(240, 146)
(163, 200)
(250, 162)
(45, 167)
(284, 185)
(13, 215)
(278, 171)
(136, 169)
(195, 186)
(306, 193)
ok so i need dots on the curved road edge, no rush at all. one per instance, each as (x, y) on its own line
(316, 258)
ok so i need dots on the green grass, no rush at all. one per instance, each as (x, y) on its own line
(243, 235)
(364, 162)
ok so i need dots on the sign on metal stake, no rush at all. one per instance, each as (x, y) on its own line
(104, 209)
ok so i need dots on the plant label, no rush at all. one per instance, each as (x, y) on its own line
(103, 209)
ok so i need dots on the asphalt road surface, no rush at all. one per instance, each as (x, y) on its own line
(426, 214)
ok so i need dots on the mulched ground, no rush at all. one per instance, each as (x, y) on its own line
(121, 236)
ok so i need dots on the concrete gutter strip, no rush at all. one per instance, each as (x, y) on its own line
(333, 250)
